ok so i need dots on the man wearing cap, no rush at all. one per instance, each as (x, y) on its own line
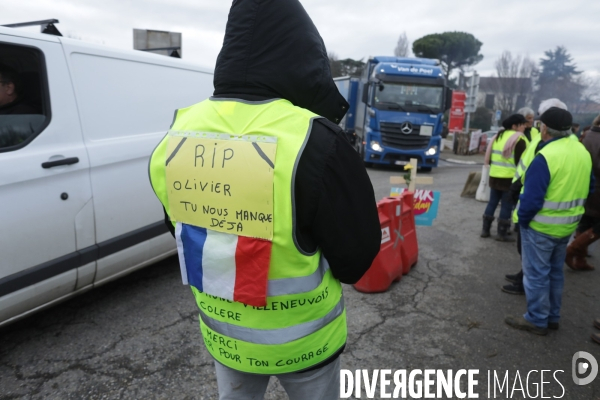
(533, 135)
(556, 184)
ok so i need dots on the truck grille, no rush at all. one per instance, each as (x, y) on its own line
(392, 136)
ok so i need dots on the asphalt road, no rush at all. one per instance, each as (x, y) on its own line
(138, 337)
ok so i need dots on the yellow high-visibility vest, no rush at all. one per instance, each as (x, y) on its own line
(304, 320)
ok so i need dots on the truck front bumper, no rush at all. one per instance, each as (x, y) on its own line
(394, 156)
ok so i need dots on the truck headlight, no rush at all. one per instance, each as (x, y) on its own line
(375, 146)
(431, 152)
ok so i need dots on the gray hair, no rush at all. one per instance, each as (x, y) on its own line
(556, 134)
(525, 111)
(549, 103)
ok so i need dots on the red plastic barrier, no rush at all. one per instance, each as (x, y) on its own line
(410, 245)
(399, 249)
(387, 266)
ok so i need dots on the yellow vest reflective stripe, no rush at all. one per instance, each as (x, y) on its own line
(304, 321)
(284, 286)
(564, 205)
(273, 336)
(570, 167)
(524, 162)
(501, 167)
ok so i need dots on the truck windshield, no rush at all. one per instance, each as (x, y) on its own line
(409, 97)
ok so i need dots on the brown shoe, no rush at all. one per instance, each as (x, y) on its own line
(524, 325)
(577, 250)
(597, 323)
(596, 337)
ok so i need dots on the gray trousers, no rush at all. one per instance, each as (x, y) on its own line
(319, 384)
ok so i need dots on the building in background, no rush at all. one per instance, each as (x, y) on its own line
(159, 42)
(506, 94)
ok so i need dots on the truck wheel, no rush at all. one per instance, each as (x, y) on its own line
(425, 169)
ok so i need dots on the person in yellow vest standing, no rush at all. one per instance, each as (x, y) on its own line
(507, 148)
(556, 185)
(270, 206)
(533, 135)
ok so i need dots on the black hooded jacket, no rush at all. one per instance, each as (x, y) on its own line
(273, 50)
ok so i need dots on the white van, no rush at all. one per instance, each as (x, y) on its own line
(76, 206)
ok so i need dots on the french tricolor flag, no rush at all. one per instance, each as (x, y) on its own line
(228, 266)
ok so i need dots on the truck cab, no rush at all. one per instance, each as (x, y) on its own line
(401, 106)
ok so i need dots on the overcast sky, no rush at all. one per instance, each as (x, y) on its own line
(350, 28)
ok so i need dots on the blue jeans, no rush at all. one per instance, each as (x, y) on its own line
(543, 259)
(505, 208)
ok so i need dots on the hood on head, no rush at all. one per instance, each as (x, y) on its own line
(273, 49)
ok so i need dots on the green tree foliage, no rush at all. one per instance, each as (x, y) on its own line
(559, 77)
(346, 67)
(453, 49)
(558, 65)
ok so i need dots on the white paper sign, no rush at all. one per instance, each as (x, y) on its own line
(475, 139)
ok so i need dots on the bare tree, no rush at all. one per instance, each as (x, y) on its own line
(589, 97)
(403, 47)
(513, 82)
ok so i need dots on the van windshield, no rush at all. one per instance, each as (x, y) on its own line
(409, 97)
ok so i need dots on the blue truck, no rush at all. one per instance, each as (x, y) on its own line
(396, 110)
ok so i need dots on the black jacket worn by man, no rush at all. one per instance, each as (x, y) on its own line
(261, 59)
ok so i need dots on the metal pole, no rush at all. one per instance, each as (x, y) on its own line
(468, 123)
(469, 100)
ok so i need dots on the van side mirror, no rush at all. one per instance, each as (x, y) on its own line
(365, 94)
(448, 99)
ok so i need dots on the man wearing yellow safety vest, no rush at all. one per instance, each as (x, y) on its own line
(507, 147)
(556, 185)
(270, 205)
(533, 138)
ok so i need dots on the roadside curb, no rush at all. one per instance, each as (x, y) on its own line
(454, 161)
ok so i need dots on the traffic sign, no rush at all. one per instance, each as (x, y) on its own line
(472, 90)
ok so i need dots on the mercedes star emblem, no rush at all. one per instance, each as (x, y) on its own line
(406, 128)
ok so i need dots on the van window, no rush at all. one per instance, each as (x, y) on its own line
(24, 105)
